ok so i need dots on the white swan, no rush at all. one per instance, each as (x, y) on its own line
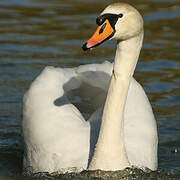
(58, 137)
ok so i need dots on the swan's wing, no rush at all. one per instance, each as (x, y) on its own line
(55, 133)
(140, 128)
(53, 128)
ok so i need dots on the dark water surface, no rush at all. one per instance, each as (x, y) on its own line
(37, 33)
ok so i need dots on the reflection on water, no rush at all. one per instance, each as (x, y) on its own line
(37, 33)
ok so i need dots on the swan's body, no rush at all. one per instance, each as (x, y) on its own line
(58, 137)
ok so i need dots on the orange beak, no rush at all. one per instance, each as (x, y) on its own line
(103, 32)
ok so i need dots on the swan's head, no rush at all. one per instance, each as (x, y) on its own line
(118, 21)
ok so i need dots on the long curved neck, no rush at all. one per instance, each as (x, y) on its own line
(110, 152)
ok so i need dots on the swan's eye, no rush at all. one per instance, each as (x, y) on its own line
(120, 15)
(102, 28)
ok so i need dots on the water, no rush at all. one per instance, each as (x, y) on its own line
(37, 33)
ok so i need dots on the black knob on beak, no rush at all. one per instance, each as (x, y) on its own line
(100, 20)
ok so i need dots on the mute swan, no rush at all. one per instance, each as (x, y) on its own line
(57, 136)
